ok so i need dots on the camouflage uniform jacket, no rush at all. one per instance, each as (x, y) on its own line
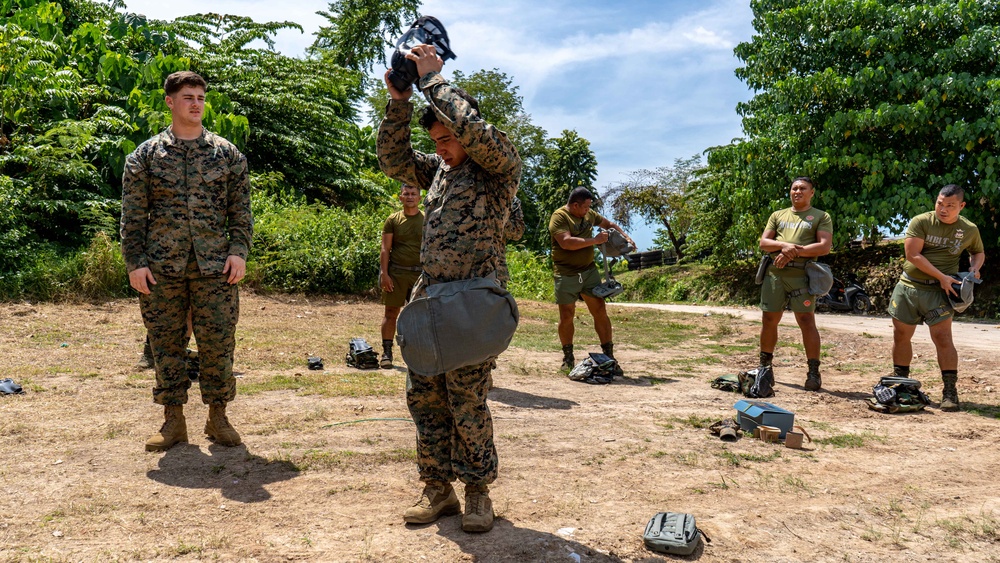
(514, 229)
(179, 196)
(467, 206)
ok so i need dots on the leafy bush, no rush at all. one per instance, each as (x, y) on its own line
(530, 275)
(311, 248)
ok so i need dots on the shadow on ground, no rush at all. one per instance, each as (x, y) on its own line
(239, 474)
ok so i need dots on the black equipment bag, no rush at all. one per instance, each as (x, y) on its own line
(360, 355)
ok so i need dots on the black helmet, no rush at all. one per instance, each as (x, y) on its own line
(427, 30)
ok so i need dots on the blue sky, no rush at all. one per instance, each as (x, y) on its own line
(645, 81)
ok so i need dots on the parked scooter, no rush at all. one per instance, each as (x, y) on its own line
(850, 297)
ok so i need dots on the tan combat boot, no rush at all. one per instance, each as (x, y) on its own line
(146, 360)
(173, 431)
(478, 515)
(217, 427)
(949, 396)
(437, 500)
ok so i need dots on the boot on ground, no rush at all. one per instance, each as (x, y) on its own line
(217, 427)
(949, 396)
(569, 362)
(193, 366)
(813, 379)
(437, 499)
(146, 360)
(386, 361)
(173, 431)
(478, 515)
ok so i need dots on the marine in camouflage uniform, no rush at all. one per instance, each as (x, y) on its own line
(471, 182)
(186, 229)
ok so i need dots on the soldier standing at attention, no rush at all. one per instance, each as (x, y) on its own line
(470, 182)
(792, 237)
(186, 229)
(399, 263)
(933, 245)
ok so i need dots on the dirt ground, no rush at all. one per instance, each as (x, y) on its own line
(327, 465)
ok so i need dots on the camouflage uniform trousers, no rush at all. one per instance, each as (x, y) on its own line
(215, 306)
(454, 426)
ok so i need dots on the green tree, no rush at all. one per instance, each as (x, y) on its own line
(659, 196)
(300, 112)
(881, 102)
(361, 31)
(568, 163)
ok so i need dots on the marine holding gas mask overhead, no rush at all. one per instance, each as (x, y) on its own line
(427, 30)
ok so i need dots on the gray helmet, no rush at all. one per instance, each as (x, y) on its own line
(616, 245)
(964, 285)
(820, 278)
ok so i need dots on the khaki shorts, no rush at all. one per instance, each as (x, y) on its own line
(774, 293)
(402, 285)
(569, 288)
(909, 305)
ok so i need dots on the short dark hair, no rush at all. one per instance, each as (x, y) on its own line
(952, 189)
(806, 179)
(429, 118)
(578, 195)
(412, 187)
(180, 79)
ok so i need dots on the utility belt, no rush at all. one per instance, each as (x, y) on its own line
(394, 266)
(801, 264)
(921, 282)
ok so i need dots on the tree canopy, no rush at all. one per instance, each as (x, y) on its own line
(881, 102)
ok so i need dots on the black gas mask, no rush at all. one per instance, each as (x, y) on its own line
(427, 30)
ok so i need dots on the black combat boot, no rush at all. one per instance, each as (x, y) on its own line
(386, 361)
(813, 380)
(766, 368)
(569, 362)
(949, 396)
(146, 361)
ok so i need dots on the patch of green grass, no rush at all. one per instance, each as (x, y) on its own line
(654, 381)
(368, 384)
(693, 420)
(728, 349)
(987, 411)
(737, 459)
(322, 459)
(867, 335)
(850, 440)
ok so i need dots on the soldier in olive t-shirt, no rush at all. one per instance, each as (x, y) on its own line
(793, 236)
(572, 231)
(399, 263)
(933, 245)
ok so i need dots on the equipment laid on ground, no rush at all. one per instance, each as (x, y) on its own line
(597, 368)
(675, 533)
(457, 324)
(850, 297)
(757, 383)
(316, 363)
(360, 355)
(616, 245)
(898, 394)
(8, 387)
(750, 414)
(427, 30)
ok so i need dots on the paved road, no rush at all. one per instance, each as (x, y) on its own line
(979, 335)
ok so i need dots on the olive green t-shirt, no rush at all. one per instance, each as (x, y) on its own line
(406, 234)
(798, 227)
(572, 262)
(943, 243)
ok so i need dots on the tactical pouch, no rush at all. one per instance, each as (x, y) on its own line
(757, 383)
(599, 369)
(765, 263)
(898, 394)
(673, 533)
(359, 355)
(457, 324)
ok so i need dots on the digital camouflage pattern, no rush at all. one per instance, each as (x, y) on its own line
(181, 195)
(467, 206)
(215, 306)
(465, 211)
(454, 427)
(513, 230)
(185, 210)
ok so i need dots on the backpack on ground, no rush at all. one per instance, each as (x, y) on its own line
(597, 369)
(360, 355)
(898, 394)
(674, 533)
(757, 383)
